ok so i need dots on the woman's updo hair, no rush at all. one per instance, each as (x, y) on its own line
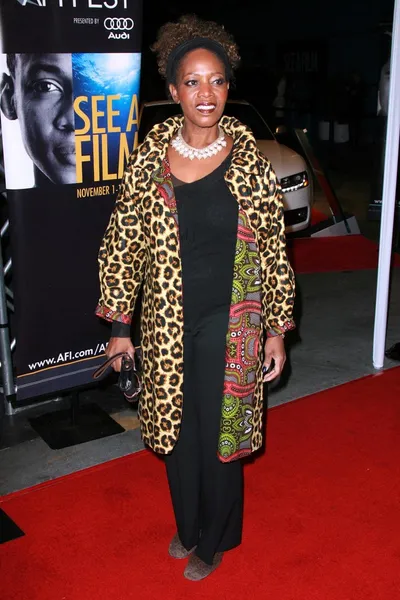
(174, 40)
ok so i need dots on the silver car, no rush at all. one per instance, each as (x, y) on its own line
(289, 166)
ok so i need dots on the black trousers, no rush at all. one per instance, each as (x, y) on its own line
(207, 495)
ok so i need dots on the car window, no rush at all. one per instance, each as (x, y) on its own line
(249, 116)
(245, 113)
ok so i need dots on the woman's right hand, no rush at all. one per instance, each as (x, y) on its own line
(116, 345)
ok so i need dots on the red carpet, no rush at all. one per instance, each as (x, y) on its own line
(335, 253)
(317, 216)
(322, 518)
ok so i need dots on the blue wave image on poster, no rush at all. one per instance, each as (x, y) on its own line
(106, 91)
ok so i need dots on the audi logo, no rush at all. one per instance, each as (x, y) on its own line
(118, 24)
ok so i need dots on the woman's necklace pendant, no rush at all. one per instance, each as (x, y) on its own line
(189, 152)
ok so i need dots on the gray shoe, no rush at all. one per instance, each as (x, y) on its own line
(196, 569)
(177, 549)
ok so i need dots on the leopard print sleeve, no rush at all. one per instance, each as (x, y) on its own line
(278, 284)
(122, 255)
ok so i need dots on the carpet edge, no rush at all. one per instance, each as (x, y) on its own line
(76, 474)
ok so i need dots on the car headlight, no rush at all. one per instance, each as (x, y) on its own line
(295, 182)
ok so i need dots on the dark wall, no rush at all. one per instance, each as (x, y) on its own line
(341, 37)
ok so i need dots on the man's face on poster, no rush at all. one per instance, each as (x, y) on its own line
(42, 101)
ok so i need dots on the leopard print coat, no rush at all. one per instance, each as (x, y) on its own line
(141, 246)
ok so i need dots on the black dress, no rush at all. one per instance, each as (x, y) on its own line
(208, 218)
(207, 494)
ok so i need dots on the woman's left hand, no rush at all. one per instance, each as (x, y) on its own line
(274, 349)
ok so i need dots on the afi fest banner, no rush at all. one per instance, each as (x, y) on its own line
(70, 72)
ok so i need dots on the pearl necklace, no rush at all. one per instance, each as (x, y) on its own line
(189, 152)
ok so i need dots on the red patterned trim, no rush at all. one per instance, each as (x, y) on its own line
(281, 329)
(163, 180)
(112, 315)
(235, 456)
(245, 233)
(248, 306)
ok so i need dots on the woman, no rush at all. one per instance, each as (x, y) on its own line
(199, 221)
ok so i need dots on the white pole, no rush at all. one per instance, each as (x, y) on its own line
(388, 197)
